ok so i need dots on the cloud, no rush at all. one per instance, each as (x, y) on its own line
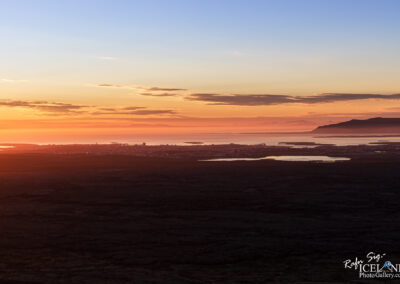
(335, 97)
(9, 80)
(159, 95)
(107, 109)
(159, 89)
(50, 107)
(248, 100)
(155, 89)
(109, 85)
(60, 108)
(151, 112)
(268, 99)
(132, 110)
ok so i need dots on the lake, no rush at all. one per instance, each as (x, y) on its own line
(324, 159)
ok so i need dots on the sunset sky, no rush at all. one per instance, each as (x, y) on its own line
(102, 69)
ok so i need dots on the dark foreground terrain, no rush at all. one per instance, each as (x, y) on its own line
(125, 219)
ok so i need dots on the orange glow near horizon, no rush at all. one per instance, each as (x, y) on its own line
(135, 115)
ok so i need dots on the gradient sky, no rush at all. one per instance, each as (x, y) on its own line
(118, 66)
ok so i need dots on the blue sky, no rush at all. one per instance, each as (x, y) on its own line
(181, 36)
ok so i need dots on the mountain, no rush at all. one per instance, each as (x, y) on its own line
(355, 126)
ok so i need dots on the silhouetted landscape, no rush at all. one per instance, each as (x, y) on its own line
(372, 125)
(96, 217)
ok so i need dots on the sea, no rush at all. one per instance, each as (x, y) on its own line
(187, 139)
(269, 139)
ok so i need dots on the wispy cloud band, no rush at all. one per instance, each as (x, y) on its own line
(159, 95)
(268, 99)
(60, 108)
(155, 89)
(51, 107)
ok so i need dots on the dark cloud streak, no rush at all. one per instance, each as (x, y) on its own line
(159, 95)
(58, 108)
(132, 110)
(51, 107)
(155, 89)
(268, 99)
(161, 89)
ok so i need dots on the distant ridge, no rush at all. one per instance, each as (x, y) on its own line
(356, 126)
